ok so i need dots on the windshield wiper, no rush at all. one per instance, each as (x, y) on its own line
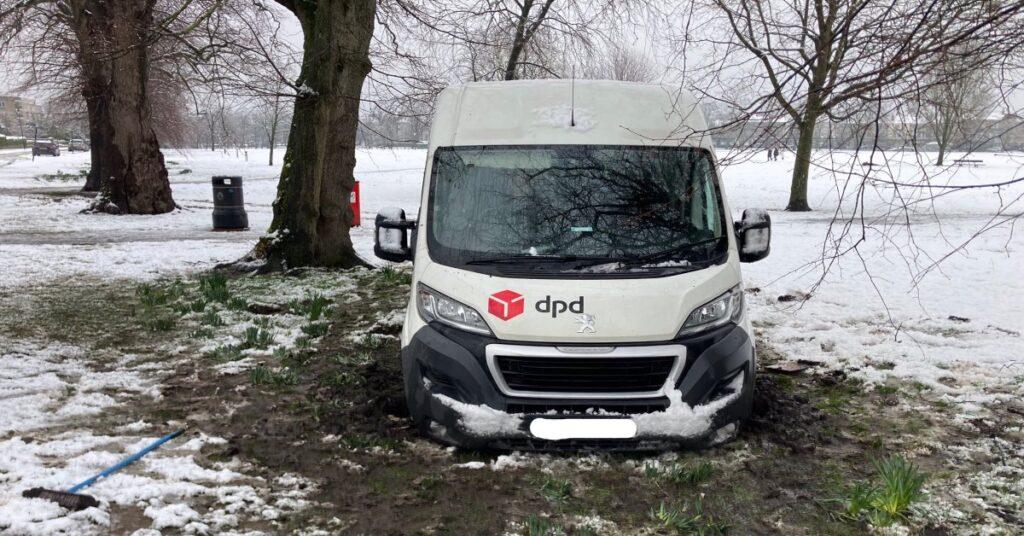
(522, 259)
(661, 256)
(672, 253)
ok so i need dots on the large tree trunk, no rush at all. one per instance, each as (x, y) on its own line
(96, 92)
(113, 52)
(802, 166)
(312, 217)
(142, 186)
(101, 137)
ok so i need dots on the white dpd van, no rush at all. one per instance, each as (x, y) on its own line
(576, 276)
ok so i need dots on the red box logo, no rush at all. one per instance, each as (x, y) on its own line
(505, 304)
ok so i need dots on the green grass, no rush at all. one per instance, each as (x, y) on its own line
(214, 287)
(887, 498)
(314, 306)
(687, 520)
(257, 337)
(539, 526)
(260, 375)
(372, 341)
(212, 319)
(555, 489)
(682, 474)
(201, 333)
(391, 276)
(314, 330)
(159, 323)
(153, 296)
(237, 304)
(225, 353)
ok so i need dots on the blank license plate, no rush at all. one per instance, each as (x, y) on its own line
(557, 429)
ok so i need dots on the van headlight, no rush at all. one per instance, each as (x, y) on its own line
(720, 311)
(433, 305)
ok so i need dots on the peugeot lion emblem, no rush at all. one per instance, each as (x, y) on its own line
(586, 323)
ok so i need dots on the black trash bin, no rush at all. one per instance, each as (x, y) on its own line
(228, 205)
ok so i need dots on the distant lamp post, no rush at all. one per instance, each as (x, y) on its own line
(35, 138)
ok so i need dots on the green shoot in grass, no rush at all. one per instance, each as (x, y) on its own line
(260, 375)
(392, 276)
(225, 353)
(681, 474)
(886, 500)
(371, 341)
(237, 304)
(200, 333)
(257, 337)
(151, 296)
(314, 330)
(690, 476)
(159, 323)
(211, 318)
(539, 526)
(683, 520)
(214, 287)
(555, 490)
(314, 306)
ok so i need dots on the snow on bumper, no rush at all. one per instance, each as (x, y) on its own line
(678, 421)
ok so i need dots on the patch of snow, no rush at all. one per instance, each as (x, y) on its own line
(565, 117)
(682, 420)
(484, 421)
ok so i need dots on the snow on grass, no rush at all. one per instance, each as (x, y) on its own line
(163, 485)
(47, 238)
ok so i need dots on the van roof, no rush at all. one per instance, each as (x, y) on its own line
(541, 112)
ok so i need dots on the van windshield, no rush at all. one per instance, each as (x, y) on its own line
(575, 208)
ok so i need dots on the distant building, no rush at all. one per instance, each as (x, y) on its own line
(16, 113)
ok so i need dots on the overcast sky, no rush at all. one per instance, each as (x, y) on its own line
(638, 35)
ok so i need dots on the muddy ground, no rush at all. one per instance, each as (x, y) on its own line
(328, 406)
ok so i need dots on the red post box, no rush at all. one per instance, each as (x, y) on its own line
(353, 200)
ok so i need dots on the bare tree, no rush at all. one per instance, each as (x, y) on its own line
(512, 39)
(955, 102)
(108, 50)
(622, 63)
(312, 217)
(823, 59)
(270, 116)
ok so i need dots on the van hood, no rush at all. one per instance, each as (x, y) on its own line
(592, 310)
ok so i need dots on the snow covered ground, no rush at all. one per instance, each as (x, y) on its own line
(45, 236)
(882, 311)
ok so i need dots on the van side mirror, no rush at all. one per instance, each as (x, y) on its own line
(754, 234)
(391, 235)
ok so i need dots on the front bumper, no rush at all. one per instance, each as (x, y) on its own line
(453, 396)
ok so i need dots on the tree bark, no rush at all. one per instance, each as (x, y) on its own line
(312, 217)
(113, 51)
(142, 186)
(518, 41)
(802, 166)
(95, 92)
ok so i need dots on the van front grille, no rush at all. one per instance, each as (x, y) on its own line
(585, 374)
(586, 408)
